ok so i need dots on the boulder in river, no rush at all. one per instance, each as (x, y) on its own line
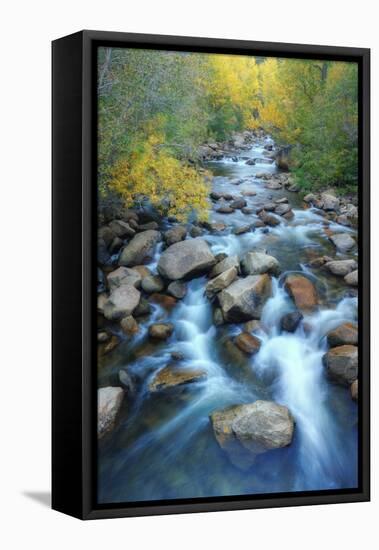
(167, 302)
(283, 200)
(342, 364)
(161, 331)
(257, 263)
(291, 321)
(225, 209)
(245, 431)
(268, 206)
(238, 203)
(121, 229)
(148, 225)
(106, 235)
(268, 219)
(247, 210)
(241, 229)
(330, 202)
(175, 235)
(186, 260)
(352, 278)
(140, 248)
(282, 209)
(129, 325)
(220, 282)
(173, 376)
(347, 333)
(122, 301)
(354, 390)
(273, 185)
(177, 289)
(341, 267)
(342, 241)
(248, 343)
(310, 197)
(109, 401)
(244, 298)
(123, 276)
(302, 291)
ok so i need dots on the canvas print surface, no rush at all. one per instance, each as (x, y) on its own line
(227, 275)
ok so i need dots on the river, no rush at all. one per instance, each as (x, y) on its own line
(163, 446)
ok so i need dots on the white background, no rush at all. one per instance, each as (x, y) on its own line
(26, 31)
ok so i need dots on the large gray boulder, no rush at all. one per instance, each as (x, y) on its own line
(109, 401)
(186, 259)
(347, 333)
(140, 248)
(122, 301)
(224, 265)
(123, 276)
(244, 298)
(175, 234)
(245, 431)
(256, 263)
(343, 242)
(342, 364)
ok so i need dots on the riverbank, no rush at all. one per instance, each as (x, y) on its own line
(235, 338)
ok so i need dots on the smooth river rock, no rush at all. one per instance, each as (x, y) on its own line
(173, 376)
(121, 302)
(140, 248)
(220, 282)
(248, 343)
(343, 335)
(186, 259)
(109, 401)
(245, 431)
(342, 241)
(224, 265)
(354, 390)
(175, 235)
(302, 291)
(244, 298)
(257, 263)
(123, 276)
(161, 331)
(341, 267)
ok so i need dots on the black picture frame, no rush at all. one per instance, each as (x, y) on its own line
(74, 252)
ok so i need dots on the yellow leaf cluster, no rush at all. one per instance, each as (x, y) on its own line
(172, 187)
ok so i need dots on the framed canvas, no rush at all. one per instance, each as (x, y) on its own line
(210, 275)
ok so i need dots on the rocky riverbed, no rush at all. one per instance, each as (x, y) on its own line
(227, 350)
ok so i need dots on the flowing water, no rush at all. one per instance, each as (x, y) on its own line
(163, 446)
